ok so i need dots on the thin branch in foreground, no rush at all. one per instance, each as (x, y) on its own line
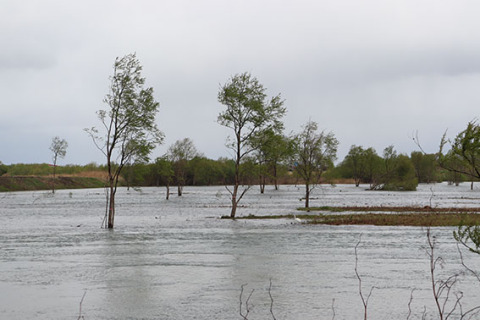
(271, 300)
(364, 300)
(333, 309)
(442, 289)
(80, 311)
(475, 274)
(247, 307)
(410, 304)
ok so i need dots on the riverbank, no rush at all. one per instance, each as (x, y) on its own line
(32, 183)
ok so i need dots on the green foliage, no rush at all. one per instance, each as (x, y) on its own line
(464, 156)
(247, 112)
(180, 153)
(425, 166)
(207, 172)
(3, 168)
(43, 169)
(314, 153)
(162, 171)
(392, 172)
(271, 150)
(469, 236)
(362, 165)
(58, 148)
(401, 175)
(130, 131)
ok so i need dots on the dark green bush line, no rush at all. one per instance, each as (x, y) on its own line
(45, 183)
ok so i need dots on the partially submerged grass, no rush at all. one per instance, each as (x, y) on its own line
(400, 219)
(410, 209)
(397, 216)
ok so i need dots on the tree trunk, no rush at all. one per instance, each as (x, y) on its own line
(234, 201)
(179, 190)
(168, 192)
(262, 184)
(111, 208)
(307, 196)
(357, 182)
(54, 171)
(275, 178)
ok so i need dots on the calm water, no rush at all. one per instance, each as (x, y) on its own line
(176, 260)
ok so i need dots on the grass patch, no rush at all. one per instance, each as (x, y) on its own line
(396, 216)
(408, 209)
(400, 219)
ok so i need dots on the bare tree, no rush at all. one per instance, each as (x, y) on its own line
(130, 131)
(59, 149)
(446, 300)
(360, 292)
(247, 302)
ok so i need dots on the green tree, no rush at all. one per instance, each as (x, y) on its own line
(163, 171)
(271, 149)
(463, 159)
(206, 172)
(314, 153)
(247, 112)
(180, 153)
(129, 131)
(373, 167)
(402, 176)
(59, 150)
(3, 169)
(425, 166)
(355, 161)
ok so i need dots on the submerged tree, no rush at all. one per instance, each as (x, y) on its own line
(163, 170)
(314, 153)
(129, 131)
(356, 163)
(180, 153)
(59, 150)
(271, 149)
(247, 112)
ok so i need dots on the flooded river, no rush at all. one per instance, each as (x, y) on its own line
(176, 260)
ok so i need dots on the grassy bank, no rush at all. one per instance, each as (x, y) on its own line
(26, 183)
(396, 216)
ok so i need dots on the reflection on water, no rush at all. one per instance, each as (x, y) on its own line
(176, 260)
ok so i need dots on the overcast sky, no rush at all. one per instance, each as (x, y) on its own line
(373, 72)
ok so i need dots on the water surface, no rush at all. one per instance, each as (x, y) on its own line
(176, 260)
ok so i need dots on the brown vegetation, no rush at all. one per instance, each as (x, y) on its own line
(400, 219)
(396, 216)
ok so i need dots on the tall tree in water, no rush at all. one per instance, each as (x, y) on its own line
(314, 154)
(59, 150)
(247, 112)
(128, 131)
(180, 153)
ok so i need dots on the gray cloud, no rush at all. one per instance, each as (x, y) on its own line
(373, 71)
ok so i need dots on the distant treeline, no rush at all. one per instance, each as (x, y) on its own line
(360, 166)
